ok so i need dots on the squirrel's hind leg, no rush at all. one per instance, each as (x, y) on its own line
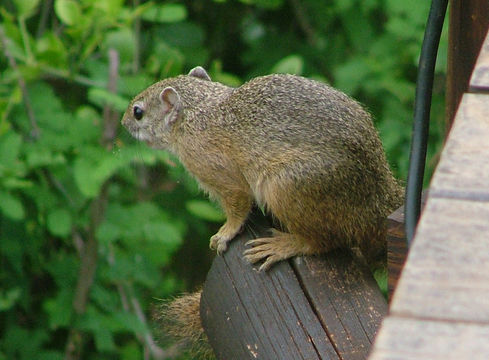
(280, 246)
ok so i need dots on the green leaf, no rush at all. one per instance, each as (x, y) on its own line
(10, 145)
(292, 64)
(9, 298)
(11, 206)
(166, 13)
(204, 210)
(351, 74)
(162, 233)
(26, 8)
(104, 341)
(380, 276)
(59, 222)
(96, 165)
(108, 232)
(68, 11)
(128, 322)
(111, 8)
(131, 351)
(39, 156)
(101, 97)
(123, 41)
(88, 185)
(59, 309)
(50, 49)
(50, 355)
(267, 4)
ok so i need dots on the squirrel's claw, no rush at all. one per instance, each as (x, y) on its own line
(219, 243)
(226, 233)
(279, 247)
(264, 249)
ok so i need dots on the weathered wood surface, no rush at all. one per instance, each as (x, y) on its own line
(415, 339)
(463, 170)
(479, 81)
(309, 308)
(447, 275)
(440, 309)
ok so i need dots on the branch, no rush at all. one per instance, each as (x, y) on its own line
(147, 340)
(89, 252)
(46, 10)
(111, 117)
(35, 132)
(304, 22)
(137, 36)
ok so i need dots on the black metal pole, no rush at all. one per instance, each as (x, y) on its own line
(422, 106)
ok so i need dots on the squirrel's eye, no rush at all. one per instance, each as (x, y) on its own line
(138, 112)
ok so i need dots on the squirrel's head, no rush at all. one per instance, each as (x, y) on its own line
(152, 114)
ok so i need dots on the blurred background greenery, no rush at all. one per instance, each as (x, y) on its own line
(94, 227)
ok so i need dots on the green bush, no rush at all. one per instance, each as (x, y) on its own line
(91, 222)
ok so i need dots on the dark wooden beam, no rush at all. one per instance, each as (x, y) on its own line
(469, 21)
(325, 307)
(397, 249)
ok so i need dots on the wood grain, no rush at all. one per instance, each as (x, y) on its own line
(319, 308)
(463, 170)
(414, 339)
(446, 276)
(346, 299)
(479, 81)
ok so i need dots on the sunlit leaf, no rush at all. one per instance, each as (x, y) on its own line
(292, 64)
(204, 210)
(59, 222)
(166, 13)
(11, 206)
(68, 11)
(26, 8)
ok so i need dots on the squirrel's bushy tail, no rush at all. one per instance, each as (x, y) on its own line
(179, 320)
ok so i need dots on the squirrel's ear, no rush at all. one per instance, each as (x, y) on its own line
(199, 72)
(171, 104)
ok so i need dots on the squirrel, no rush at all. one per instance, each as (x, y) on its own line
(306, 152)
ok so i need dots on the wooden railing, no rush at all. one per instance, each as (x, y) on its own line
(440, 308)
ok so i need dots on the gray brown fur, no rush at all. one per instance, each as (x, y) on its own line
(307, 152)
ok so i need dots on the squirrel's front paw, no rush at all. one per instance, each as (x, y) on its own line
(225, 234)
(219, 243)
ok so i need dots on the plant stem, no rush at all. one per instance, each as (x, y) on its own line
(35, 132)
(25, 39)
(137, 37)
(89, 253)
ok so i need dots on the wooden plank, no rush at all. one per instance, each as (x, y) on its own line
(396, 248)
(469, 20)
(479, 81)
(346, 300)
(414, 339)
(463, 170)
(447, 272)
(256, 315)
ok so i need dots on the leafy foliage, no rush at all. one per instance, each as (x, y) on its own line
(71, 180)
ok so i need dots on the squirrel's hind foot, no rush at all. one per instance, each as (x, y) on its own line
(280, 246)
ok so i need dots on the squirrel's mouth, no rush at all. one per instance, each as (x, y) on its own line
(141, 135)
(135, 130)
